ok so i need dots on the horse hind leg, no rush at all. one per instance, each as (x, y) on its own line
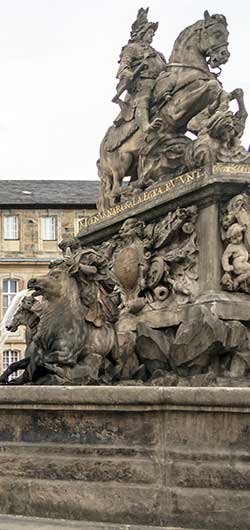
(120, 170)
(106, 178)
(116, 169)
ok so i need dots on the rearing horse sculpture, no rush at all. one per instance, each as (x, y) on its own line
(66, 342)
(183, 90)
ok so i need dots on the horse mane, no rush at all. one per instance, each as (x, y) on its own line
(184, 36)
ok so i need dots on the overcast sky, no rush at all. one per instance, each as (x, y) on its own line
(58, 61)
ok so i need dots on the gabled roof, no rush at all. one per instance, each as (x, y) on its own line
(48, 193)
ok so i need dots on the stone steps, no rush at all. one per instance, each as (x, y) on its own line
(9, 522)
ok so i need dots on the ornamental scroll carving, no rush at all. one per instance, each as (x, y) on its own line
(155, 265)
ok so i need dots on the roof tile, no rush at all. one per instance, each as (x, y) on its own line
(48, 192)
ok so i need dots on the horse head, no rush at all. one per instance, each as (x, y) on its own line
(57, 284)
(204, 42)
(214, 38)
(19, 319)
(26, 314)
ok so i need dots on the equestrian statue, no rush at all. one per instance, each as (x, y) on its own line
(160, 102)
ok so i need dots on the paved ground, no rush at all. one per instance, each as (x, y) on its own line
(9, 522)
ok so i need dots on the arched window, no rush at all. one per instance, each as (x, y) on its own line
(10, 288)
(9, 357)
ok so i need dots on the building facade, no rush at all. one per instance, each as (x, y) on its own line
(34, 217)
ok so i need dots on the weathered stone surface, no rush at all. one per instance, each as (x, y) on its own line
(127, 455)
(153, 348)
(203, 338)
(173, 455)
(163, 101)
(20, 523)
(202, 334)
(235, 220)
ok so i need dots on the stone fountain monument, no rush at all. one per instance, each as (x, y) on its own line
(136, 401)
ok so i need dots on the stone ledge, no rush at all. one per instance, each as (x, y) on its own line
(8, 522)
(201, 187)
(37, 397)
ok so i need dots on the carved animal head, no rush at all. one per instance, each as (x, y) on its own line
(207, 38)
(25, 315)
(54, 285)
(72, 243)
(18, 320)
(132, 227)
(215, 39)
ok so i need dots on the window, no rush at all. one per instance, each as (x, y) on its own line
(10, 288)
(9, 357)
(11, 227)
(49, 228)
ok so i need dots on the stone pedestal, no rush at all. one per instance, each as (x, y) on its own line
(208, 189)
(127, 455)
(144, 455)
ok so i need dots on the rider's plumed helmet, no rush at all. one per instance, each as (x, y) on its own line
(142, 25)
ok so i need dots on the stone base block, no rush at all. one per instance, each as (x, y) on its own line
(166, 457)
(8, 522)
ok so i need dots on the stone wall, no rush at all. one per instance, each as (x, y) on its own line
(30, 243)
(131, 455)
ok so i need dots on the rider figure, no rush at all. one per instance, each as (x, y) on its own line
(140, 65)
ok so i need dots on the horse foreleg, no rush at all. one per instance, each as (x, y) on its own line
(226, 97)
(14, 367)
(21, 380)
(238, 94)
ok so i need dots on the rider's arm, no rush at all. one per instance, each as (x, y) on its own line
(128, 55)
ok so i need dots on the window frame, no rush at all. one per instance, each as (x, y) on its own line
(9, 293)
(54, 228)
(14, 231)
(5, 364)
